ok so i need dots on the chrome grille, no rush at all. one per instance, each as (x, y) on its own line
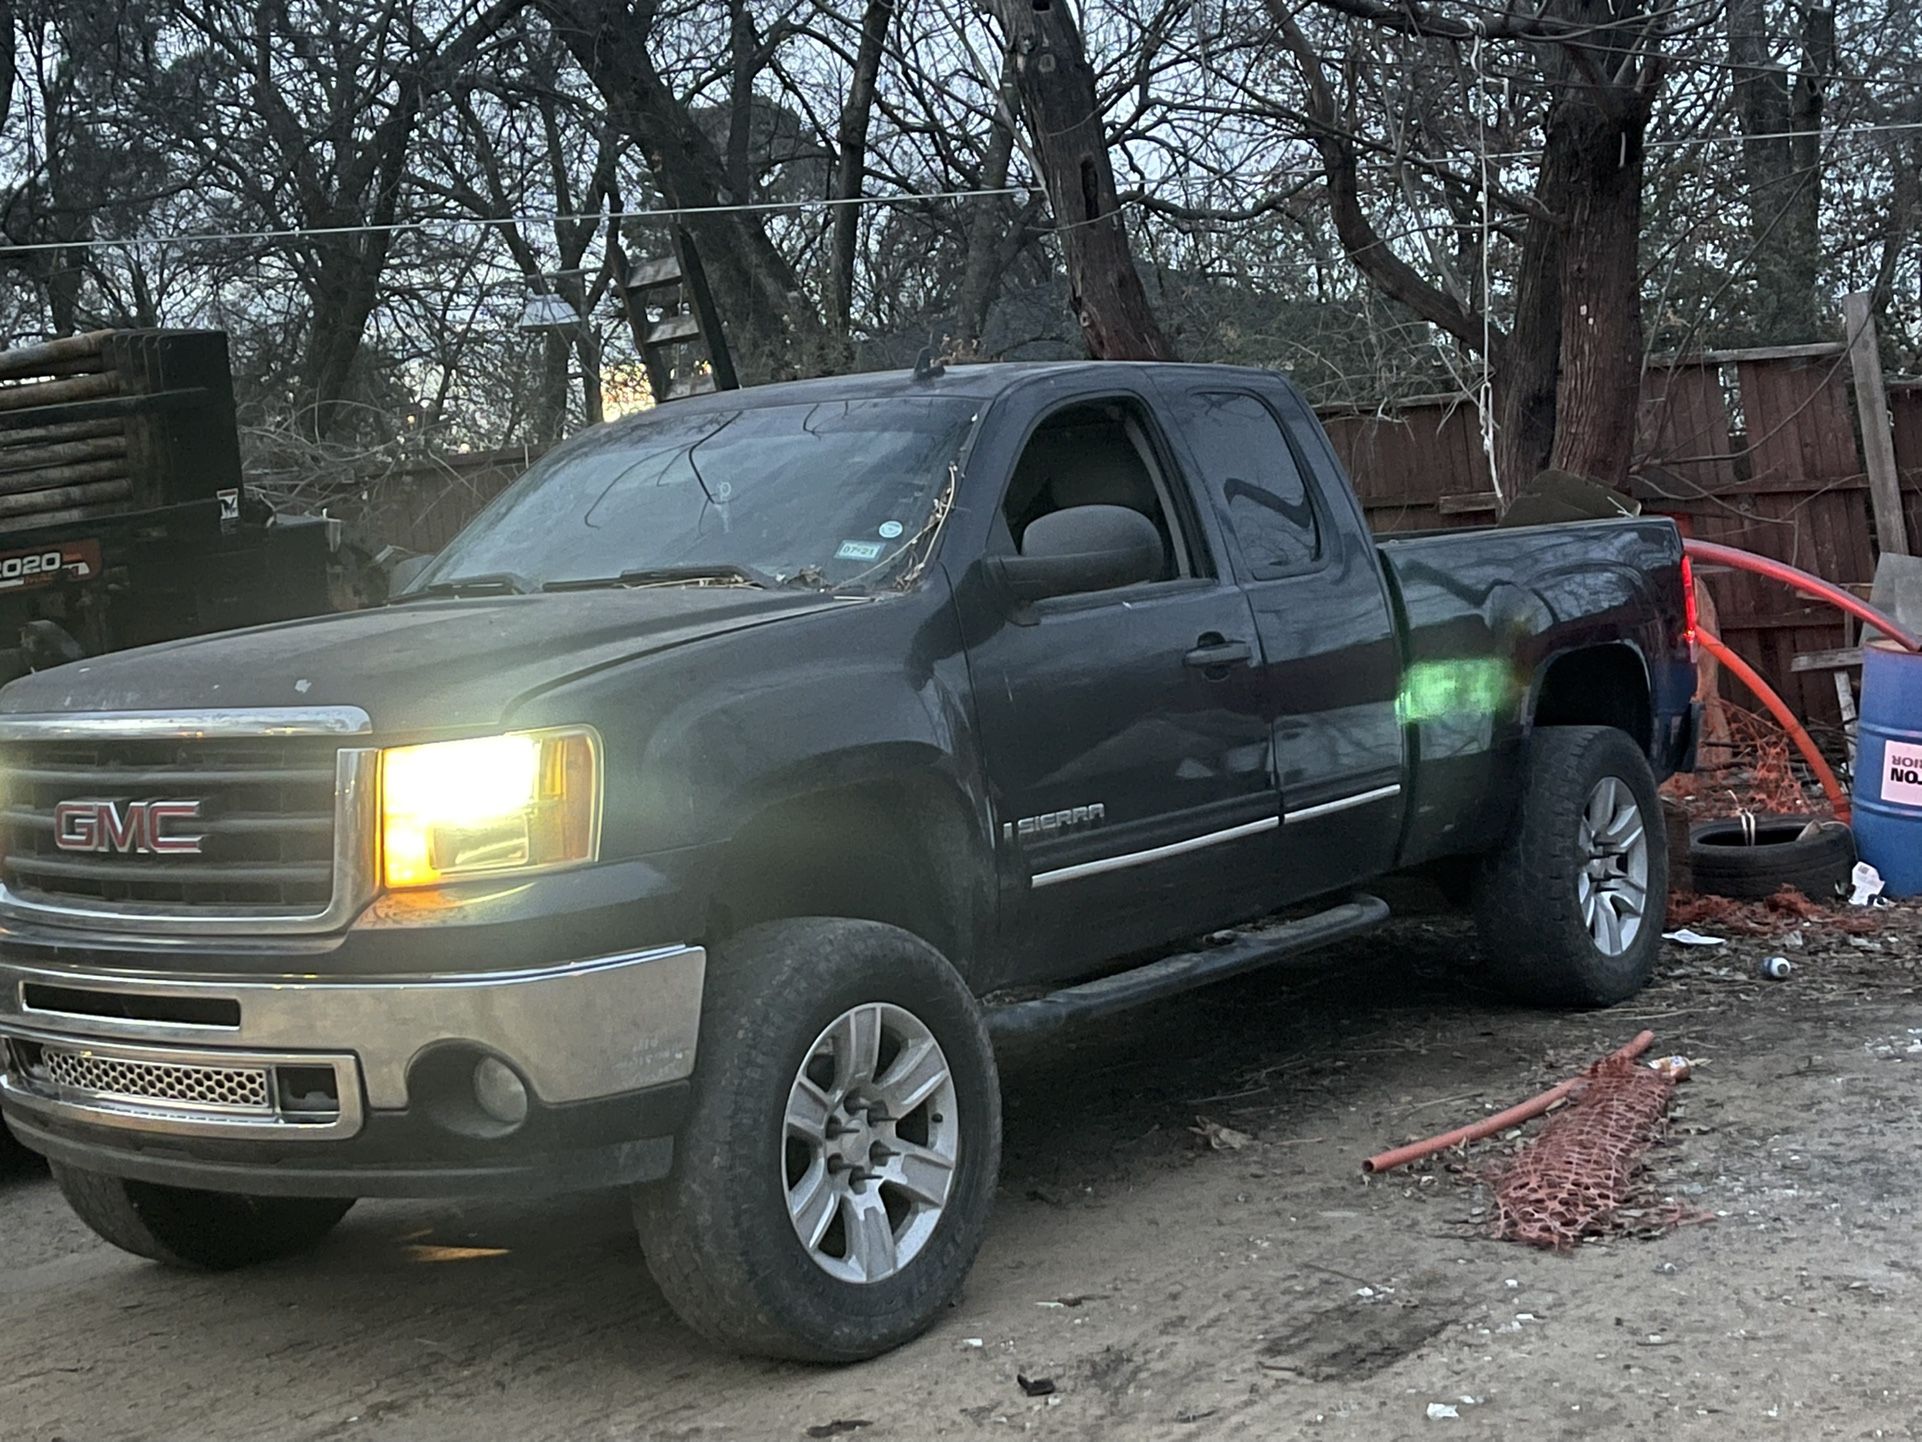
(201, 1086)
(267, 819)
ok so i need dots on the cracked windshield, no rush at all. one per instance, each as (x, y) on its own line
(838, 494)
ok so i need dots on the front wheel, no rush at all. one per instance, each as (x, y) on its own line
(832, 1185)
(211, 1231)
(1570, 907)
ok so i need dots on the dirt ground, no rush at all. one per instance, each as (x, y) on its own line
(1169, 1289)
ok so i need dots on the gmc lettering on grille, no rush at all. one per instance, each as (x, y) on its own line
(141, 828)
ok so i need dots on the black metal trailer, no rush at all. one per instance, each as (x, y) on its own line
(123, 517)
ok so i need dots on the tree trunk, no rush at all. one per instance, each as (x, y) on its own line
(987, 229)
(1781, 160)
(851, 160)
(1057, 90)
(550, 410)
(773, 330)
(1527, 364)
(1601, 288)
(8, 41)
(588, 347)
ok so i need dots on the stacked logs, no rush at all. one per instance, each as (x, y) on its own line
(63, 456)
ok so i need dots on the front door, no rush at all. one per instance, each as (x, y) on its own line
(1124, 731)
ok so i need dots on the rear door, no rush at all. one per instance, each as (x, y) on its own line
(1124, 732)
(1330, 661)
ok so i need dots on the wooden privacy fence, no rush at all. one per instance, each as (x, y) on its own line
(1758, 449)
(422, 504)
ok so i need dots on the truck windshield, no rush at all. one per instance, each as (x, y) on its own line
(833, 494)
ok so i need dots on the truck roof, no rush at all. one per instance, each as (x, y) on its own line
(982, 381)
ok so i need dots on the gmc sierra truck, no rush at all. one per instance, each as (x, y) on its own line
(702, 815)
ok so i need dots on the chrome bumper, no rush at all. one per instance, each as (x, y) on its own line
(247, 1057)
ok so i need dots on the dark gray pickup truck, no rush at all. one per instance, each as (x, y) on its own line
(712, 803)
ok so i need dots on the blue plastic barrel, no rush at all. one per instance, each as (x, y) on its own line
(1888, 767)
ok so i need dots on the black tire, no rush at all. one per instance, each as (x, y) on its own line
(1527, 905)
(205, 1231)
(717, 1233)
(1722, 862)
(12, 1154)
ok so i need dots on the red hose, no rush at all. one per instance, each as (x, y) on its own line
(1778, 708)
(1807, 584)
(1501, 1121)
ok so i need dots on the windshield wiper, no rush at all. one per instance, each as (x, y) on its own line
(724, 575)
(486, 583)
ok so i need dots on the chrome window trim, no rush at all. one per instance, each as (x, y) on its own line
(1158, 853)
(1344, 803)
(186, 725)
(356, 818)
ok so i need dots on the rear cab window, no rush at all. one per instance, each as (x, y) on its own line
(1256, 479)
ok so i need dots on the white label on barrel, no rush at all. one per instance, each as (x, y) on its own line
(1902, 774)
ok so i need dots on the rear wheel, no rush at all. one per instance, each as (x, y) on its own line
(1570, 907)
(832, 1186)
(211, 1231)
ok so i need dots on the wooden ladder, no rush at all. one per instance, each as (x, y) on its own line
(676, 328)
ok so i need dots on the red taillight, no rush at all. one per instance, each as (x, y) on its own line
(1691, 618)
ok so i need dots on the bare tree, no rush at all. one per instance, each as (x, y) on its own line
(1057, 89)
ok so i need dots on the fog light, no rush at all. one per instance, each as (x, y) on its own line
(501, 1094)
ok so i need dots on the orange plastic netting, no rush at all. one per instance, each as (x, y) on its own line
(1575, 1178)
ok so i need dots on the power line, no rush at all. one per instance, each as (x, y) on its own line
(540, 217)
(154, 242)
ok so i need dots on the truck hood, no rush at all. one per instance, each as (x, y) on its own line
(424, 666)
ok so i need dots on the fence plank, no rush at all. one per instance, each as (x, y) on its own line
(1872, 409)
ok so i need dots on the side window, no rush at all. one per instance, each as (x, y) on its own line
(1095, 453)
(1247, 459)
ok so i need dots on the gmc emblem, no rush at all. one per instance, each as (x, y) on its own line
(139, 827)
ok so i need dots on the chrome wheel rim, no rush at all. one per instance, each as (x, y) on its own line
(1612, 889)
(870, 1144)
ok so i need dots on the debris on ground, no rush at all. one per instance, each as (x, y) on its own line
(1578, 1173)
(1689, 937)
(1218, 1137)
(1688, 910)
(1035, 1386)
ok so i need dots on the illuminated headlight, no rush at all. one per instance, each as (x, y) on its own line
(451, 810)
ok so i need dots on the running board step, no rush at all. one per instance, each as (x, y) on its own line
(1258, 947)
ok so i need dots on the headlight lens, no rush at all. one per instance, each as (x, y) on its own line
(457, 809)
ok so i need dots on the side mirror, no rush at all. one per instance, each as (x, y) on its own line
(1080, 549)
(403, 574)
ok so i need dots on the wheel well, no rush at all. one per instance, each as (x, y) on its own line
(894, 852)
(1599, 686)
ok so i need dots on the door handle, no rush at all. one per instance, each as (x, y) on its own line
(1214, 652)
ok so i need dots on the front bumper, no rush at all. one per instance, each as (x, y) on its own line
(353, 1085)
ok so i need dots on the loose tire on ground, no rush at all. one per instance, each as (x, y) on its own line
(1539, 898)
(1723, 863)
(207, 1231)
(723, 1234)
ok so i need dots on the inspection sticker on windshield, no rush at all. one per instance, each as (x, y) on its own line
(859, 551)
(890, 529)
